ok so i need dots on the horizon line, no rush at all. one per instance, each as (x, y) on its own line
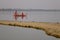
(29, 9)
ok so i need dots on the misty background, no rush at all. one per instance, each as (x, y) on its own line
(30, 4)
(19, 33)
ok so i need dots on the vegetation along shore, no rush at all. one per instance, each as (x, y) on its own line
(50, 28)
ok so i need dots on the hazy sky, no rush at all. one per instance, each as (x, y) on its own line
(33, 4)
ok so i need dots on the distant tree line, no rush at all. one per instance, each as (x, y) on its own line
(3, 9)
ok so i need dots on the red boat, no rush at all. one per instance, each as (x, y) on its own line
(16, 15)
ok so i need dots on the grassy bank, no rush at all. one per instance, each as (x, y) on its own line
(52, 29)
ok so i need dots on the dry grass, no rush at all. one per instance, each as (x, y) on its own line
(50, 28)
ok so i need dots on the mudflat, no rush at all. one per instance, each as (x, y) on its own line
(50, 28)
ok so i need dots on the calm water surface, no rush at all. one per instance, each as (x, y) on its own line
(19, 33)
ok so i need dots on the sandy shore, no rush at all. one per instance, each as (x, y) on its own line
(52, 29)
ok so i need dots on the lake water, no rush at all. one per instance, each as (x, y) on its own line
(39, 16)
(19, 33)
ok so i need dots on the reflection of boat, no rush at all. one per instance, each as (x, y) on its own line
(17, 15)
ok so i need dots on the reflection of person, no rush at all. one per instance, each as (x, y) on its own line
(17, 15)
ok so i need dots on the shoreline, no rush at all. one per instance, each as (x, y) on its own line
(52, 29)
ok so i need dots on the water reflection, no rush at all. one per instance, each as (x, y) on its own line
(18, 33)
